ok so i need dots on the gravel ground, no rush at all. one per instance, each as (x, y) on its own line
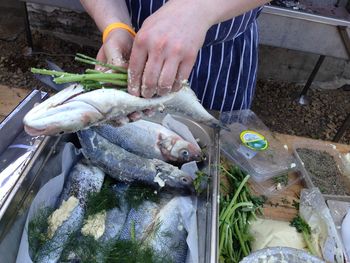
(274, 101)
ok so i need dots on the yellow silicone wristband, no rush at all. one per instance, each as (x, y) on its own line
(113, 26)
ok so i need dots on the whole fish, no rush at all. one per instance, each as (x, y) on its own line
(83, 180)
(151, 140)
(139, 219)
(51, 251)
(116, 217)
(128, 167)
(74, 109)
(169, 234)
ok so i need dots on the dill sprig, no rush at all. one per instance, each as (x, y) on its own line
(128, 251)
(200, 182)
(84, 249)
(37, 230)
(137, 194)
(106, 199)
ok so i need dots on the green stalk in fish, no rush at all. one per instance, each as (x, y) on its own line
(68, 218)
(169, 235)
(151, 140)
(128, 167)
(74, 109)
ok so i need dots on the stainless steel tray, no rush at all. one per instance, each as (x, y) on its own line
(45, 165)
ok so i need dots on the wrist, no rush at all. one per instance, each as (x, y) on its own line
(117, 26)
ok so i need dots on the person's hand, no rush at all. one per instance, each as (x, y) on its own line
(116, 49)
(166, 47)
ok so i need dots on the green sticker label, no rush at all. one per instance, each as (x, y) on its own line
(254, 140)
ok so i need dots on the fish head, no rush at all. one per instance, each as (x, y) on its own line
(61, 113)
(176, 149)
(181, 180)
(186, 151)
(172, 177)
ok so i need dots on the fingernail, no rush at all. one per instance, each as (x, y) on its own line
(149, 112)
(134, 116)
(147, 92)
(164, 90)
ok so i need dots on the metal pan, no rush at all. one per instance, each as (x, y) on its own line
(45, 167)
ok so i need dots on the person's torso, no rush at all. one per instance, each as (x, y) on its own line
(227, 30)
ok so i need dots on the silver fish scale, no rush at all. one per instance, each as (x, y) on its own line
(142, 218)
(82, 180)
(116, 217)
(52, 249)
(169, 238)
(129, 138)
(128, 167)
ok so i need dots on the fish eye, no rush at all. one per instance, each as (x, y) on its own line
(185, 154)
(184, 179)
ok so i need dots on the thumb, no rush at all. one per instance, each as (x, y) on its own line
(101, 57)
(115, 56)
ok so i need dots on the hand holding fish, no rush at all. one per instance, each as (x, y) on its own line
(163, 53)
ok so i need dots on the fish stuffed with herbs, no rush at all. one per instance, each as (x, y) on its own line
(99, 97)
(68, 218)
(74, 109)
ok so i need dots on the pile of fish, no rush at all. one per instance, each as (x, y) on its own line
(137, 152)
(156, 225)
(143, 154)
(74, 109)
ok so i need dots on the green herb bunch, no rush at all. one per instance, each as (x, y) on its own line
(237, 208)
(91, 79)
(303, 227)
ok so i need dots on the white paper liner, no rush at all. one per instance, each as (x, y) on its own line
(47, 197)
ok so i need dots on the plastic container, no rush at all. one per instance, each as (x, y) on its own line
(311, 181)
(278, 185)
(339, 210)
(251, 145)
(281, 254)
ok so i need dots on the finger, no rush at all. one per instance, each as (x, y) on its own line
(101, 56)
(115, 57)
(119, 121)
(167, 76)
(137, 63)
(149, 112)
(134, 116)
(151, 75)
(183, 74)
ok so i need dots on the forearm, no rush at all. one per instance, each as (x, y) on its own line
(221, 10)
(105, 12)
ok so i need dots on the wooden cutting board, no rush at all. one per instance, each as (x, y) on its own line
(9, 99)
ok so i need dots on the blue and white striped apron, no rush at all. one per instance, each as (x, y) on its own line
(224, 75)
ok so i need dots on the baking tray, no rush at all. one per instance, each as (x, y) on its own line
(46, 166)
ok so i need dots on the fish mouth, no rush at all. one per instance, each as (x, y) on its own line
(184, 183)
(70, 116)
(32, 131)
